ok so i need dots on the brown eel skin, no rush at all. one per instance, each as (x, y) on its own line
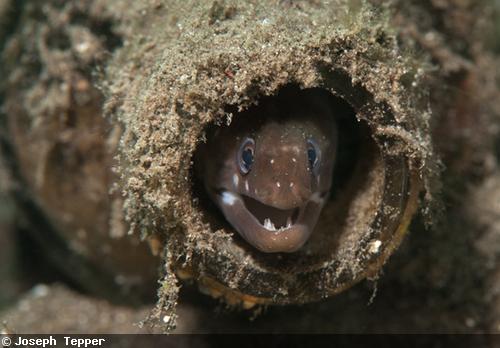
(270, 171)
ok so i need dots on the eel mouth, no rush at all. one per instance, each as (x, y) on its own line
(268, 228)
(271, 218)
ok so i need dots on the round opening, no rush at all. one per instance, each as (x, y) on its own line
(357, 185)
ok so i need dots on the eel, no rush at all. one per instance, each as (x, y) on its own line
(270, 171)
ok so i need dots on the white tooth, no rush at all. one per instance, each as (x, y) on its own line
(289, 222)
(273, 227)
(267, 224)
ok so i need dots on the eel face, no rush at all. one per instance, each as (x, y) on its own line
(270, 171)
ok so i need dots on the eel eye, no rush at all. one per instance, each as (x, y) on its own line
(246, 155)
(313, 154)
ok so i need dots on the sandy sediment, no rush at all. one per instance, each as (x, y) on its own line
(419, 77)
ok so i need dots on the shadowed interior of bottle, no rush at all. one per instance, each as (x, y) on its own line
(345, 220)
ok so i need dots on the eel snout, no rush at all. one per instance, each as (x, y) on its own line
(268, 228)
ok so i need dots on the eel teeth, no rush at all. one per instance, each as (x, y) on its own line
(269, 225)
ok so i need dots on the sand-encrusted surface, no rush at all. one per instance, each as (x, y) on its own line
(184, 67)
(419, 75)
(47, 309)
